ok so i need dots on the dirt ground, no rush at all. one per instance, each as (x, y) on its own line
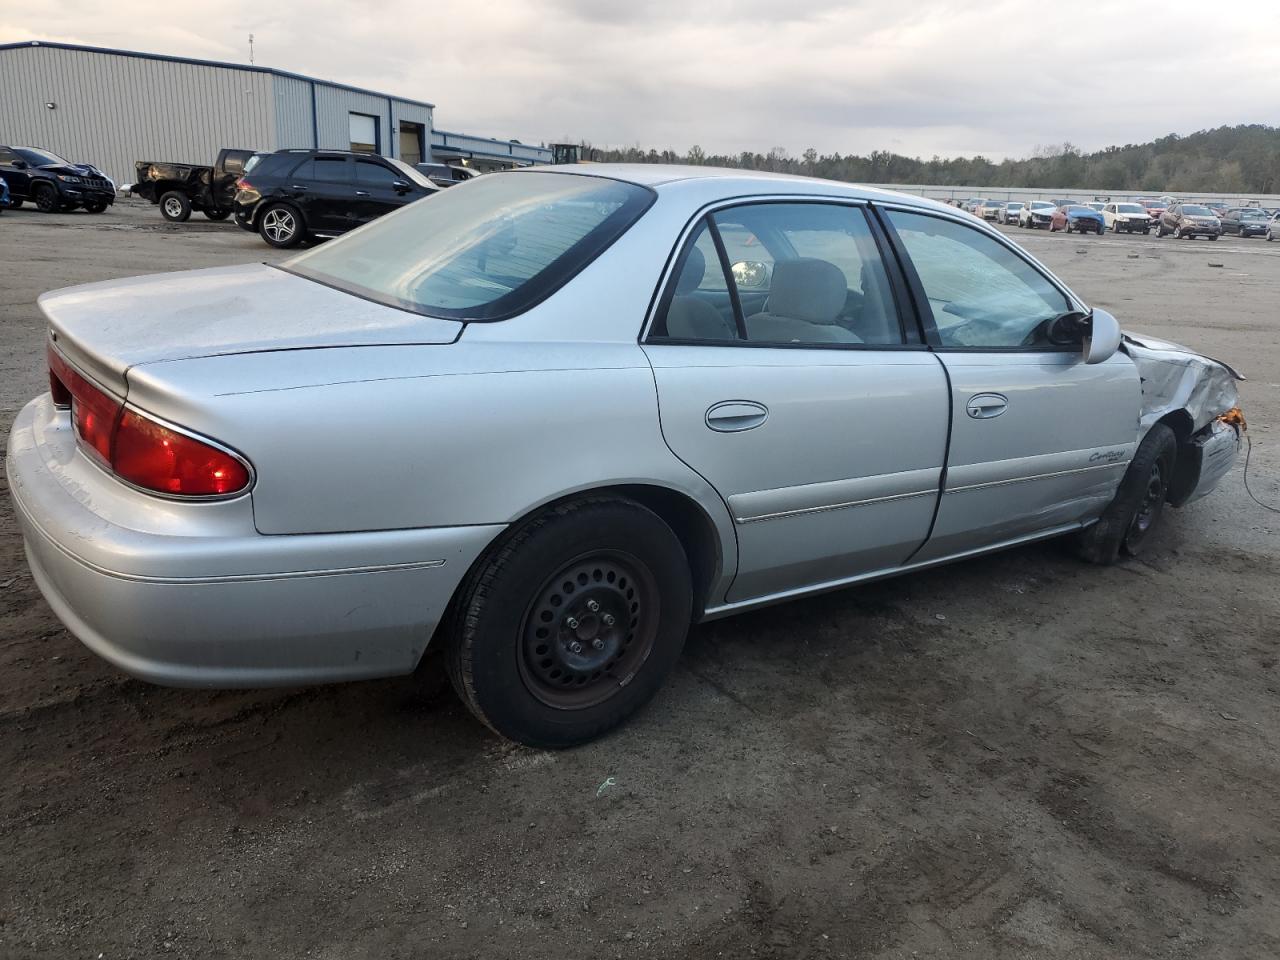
(1016, 757)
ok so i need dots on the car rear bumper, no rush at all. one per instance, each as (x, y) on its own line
(183, 600)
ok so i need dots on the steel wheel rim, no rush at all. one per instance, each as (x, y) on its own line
(278, 225)
(571, 656)
(1149, 507)
(173, 207)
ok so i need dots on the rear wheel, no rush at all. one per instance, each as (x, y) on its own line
(46, 198)
(571, 623)
(175, 207)
(95, 206)
(281, 226)
(217, 214)
(1213, 236)
(1126, 525)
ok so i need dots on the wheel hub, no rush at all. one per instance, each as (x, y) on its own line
(587, 631)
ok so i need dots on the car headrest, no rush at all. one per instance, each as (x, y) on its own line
(807, 289)
(695, 265)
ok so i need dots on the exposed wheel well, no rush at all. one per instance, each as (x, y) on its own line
(1186, 469)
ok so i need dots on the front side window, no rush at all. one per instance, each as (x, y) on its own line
(374, 174)
(981, 293)
(800, 274)
(483, 250)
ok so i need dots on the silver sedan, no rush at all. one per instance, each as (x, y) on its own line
(547, 419)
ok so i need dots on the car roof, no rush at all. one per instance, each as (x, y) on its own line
(725, 182)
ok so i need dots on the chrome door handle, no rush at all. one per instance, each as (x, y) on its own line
(362, 193)
(733, 416)
(985, 406)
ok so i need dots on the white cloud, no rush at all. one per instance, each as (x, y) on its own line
(929, 77)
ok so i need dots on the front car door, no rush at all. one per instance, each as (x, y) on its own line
(380, 189)
(1039, 439)
(787, 378)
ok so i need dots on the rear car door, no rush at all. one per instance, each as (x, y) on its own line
(380, 189)
(19, 180)
(1039, 439)
(323, 186)
(785, 377)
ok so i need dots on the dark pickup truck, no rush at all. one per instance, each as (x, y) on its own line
(180, 188)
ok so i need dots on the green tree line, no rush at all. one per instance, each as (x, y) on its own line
(1243, 159)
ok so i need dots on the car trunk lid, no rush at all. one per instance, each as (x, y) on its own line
(106, 328)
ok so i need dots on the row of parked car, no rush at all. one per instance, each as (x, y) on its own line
(287, 196)
(1166, 216)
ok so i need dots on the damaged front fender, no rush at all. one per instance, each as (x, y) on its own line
(1202, 392)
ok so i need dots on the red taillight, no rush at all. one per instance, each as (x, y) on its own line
(138, 449)
(151, 455)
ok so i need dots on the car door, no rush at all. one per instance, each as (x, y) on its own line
(14, 170)
(786, 377)
(380, 189)
(1039, 439)
(323, 186)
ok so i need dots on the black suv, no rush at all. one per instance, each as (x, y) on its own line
(52, 183)
(291, 195)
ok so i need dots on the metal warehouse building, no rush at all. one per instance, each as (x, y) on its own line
(112, 108)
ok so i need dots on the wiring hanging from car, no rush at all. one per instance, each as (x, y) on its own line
(1235, 418)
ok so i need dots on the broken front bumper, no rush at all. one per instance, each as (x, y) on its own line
(1204, 460)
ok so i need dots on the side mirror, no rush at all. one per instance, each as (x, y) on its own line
(19, 164)
(401, 186)
(1103, 337)
(751, 274)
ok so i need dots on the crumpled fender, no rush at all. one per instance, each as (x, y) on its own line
(1176, 378)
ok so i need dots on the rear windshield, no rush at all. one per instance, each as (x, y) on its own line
(484, 250)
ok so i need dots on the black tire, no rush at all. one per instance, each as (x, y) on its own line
(95, 206)
(14, 204)
(513, 656)
(175, 207)
(218, 215)
(1269, 236)
(1126, 524)
(46, 197)
(281, 226)
(1213, 236)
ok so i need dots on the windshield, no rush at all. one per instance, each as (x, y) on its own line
(1252, 215)
(1041, 205)
(1077, 208)
(486, 249)
(1129, 208)
(1014, 205)
(38, 158)
(1193, 211)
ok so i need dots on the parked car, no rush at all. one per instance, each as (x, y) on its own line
(989, 209)
(971, 205)
(1077, 217)
(1126, 217)
(1245, 221)
(293, 195)
(1186, 221)
(1273, 226)
(326, 465)
(1155, 210)
(1036, 213)
(445, 174)
(179, 188)
(40, 176)
(1009, 212)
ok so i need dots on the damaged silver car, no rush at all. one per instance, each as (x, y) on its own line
(548, 419)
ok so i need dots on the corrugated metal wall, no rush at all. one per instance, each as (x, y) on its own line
(334, 106)
(293, 113)
(115, 110)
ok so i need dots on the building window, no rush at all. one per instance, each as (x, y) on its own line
(364, 133)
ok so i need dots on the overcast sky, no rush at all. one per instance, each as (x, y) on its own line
(920, 77)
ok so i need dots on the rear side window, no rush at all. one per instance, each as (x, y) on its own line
(801, 274)
(324, 169)
(483, 250)
(981, 293)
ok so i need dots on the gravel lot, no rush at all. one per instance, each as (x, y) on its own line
(1016, 757)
